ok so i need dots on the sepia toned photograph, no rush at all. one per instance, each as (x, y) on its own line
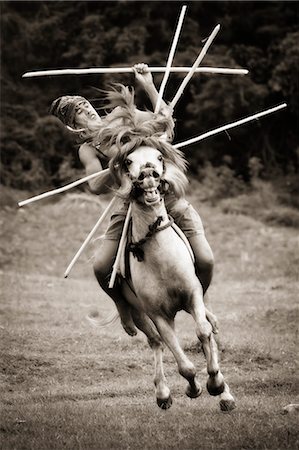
(149, 249)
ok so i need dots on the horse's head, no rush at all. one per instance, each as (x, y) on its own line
(147, 170)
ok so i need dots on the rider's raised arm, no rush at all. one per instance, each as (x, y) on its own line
(145, 80)
(92, 164)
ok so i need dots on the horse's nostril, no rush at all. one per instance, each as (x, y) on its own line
(155, 174)
(141, 177)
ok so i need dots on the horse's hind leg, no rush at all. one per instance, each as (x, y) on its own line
(186, 368)
(144, 324)
(215, 383)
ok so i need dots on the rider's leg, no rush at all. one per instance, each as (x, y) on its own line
(103, 263)
(204, 259)
(204, 264)
(190, 223)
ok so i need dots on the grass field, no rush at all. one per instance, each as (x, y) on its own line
(68, 385)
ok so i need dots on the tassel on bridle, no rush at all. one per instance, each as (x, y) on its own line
(136, 247)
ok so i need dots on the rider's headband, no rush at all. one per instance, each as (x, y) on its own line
(65, 108)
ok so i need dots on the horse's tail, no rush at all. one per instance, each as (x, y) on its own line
(102, 323)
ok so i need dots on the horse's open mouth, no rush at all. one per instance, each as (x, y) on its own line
(151, 196)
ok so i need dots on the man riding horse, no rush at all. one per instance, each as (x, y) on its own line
(100, 138)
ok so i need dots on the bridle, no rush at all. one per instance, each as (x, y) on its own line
(137, 189)
(136, 248)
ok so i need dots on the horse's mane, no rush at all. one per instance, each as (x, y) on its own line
(121, 100)
(131, 132)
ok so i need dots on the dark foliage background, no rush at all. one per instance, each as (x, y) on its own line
(262, 36)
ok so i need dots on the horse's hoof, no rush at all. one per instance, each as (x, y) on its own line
(164, 403)
(215, 388)
(193, 393)
(227, 405)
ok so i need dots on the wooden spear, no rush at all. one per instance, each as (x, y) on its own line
(89, 237)
(120, 247)
(63, 188)
(116, 70)
(195, 65)
(170, 58)
(230, 125)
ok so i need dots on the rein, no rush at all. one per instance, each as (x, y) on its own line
(136, 247)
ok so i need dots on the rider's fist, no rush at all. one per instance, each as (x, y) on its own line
(142, 74)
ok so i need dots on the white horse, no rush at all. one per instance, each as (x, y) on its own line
(162, 275)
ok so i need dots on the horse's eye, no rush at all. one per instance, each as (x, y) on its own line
(160, 158)
(128, 162)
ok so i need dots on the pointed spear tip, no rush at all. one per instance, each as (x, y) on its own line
(282, 105)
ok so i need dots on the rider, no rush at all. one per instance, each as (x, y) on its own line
(76, 112)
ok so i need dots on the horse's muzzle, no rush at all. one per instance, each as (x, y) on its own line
(149, 181)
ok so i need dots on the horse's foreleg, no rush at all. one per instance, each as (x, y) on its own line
(144, 324)
(186, 368)
(163, 396)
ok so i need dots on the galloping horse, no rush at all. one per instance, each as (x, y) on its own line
(162, 277)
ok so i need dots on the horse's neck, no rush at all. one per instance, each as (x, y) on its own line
(144, 216)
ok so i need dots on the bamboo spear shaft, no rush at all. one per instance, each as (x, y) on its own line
(195, 65)
(230, 125)
(63, 188)
(89, 237)
(120, 247)
(170, 58)
(116, 70)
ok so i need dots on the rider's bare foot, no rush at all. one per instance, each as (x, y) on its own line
(129, 327)
(213, 321)
(126, 319)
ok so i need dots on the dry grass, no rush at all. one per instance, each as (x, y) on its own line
(67, 385)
